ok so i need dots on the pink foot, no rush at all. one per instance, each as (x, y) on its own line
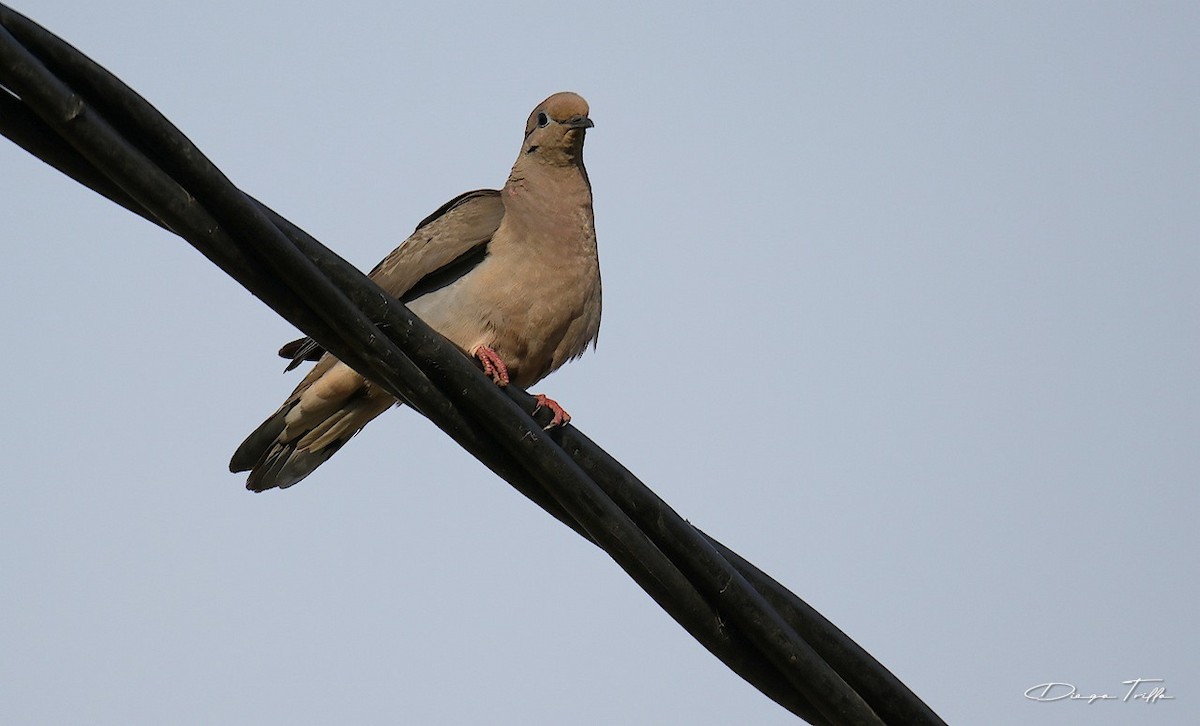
(493, 366)
(561, 417)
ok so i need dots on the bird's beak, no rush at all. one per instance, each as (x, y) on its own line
(578, 121)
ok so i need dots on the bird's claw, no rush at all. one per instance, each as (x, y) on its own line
(493, 365)
(560, 418)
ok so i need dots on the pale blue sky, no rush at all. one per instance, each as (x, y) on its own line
(900, 303)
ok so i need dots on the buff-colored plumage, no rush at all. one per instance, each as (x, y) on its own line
(513, 272)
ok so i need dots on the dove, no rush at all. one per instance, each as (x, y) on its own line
(511, 277)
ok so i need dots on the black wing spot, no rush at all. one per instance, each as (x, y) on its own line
(447, 274)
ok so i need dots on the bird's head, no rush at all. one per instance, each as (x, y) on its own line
(556, 127)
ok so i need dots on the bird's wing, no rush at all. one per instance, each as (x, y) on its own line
(445, 246)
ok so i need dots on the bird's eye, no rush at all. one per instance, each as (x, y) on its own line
(543, 120)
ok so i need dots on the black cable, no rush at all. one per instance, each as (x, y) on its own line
(95, 139)
(762, 631)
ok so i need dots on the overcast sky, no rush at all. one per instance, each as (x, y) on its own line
(900, 303)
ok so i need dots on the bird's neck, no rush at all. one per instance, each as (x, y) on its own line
(543, 185)
(545, 205)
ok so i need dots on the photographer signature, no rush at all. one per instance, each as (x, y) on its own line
(1140, 689)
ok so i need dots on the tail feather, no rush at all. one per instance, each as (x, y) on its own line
(280, 453)
(259, 442)
(284, 465)
(274, 461)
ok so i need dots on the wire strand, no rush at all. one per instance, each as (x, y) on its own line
(73, 114)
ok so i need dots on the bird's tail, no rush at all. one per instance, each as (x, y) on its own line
(280, 452)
